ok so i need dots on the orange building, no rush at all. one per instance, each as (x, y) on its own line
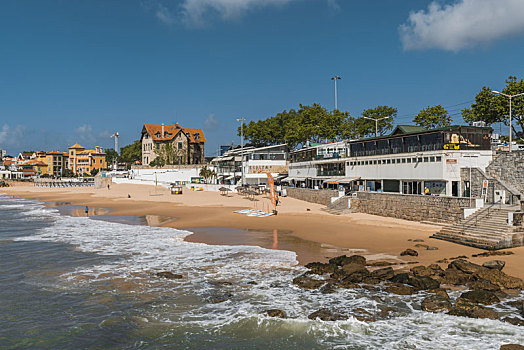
(82, 161)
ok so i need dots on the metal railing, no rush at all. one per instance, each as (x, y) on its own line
(487, 211)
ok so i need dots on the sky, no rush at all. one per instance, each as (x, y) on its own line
(75, 71)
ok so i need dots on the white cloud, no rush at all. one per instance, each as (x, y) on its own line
(211, 122)
(11, 136)
(464, 24)
(164, 14)
(195, 12)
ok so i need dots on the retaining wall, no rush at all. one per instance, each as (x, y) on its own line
(312, 196)
(411, 207)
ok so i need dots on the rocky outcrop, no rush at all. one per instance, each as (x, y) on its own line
(169, 275)
(276, 313)
(344, 260)
(321, 268)
(436, 303)
(485, 297)
(305, 282)
(409, 252)
(327, 315)
(495, 264)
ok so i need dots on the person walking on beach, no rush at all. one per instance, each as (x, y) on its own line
(87, 210)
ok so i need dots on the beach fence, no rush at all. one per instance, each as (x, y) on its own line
(65, 183)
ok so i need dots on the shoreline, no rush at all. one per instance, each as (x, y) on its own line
(377, 238)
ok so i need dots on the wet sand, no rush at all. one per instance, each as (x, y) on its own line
(300, 226)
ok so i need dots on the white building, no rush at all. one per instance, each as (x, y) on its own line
(408, 161)
(258, 162)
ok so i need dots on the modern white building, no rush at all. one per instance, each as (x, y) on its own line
(258, 162)
(408, 161)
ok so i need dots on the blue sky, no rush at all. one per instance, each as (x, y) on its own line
(76, 71)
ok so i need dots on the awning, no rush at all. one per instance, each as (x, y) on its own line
(341, 180)
(230, 177)
(287, 179)
(255, 176)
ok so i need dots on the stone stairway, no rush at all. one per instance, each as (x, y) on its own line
(486, 229)
(339, 207)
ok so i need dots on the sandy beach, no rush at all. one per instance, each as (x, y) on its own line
(299, 226)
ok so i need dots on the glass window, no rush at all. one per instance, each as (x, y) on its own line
(388, 161)
(374, 162)
(411, 144)
(431, 159)
(431, 142)
(382, 147)
(369, 148)
(426, 159)
(419, 160)
(439, 158)
(356, 149)
(408, 160)
(396, 145)
(403, 160)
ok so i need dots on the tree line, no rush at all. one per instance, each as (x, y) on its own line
(316, 123)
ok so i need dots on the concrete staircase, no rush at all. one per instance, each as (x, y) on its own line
(338, 207)
(486, 229)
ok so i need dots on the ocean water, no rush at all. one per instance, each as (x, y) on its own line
(74, 283)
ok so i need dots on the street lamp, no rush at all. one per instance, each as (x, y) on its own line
(510, 98)
(335, 78)
(241, 120)
(376, 123)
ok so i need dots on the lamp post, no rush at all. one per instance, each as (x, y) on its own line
(241, 120)
(376, 123)
(335, 78)
(510, 98)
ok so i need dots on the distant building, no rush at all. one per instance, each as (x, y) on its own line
(56, 162)
(26, 156)
(32, 168)
(2, 154)
(258, 162)
(82, 161)
(175, 144)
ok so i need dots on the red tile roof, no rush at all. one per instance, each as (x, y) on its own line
(170, 131)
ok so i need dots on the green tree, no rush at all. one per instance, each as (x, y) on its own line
(158, 162)
(207, 173)
(491, 108)
(433, 117)
(131, 153)
(366, 127)
(111, 155)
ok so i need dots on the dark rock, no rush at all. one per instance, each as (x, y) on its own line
(220, 298)
(353, 267)
(383, 274)
(357, 276)
(348, 285)
(436, 303)
(423, 282)
(511, 347)
(168, 274)
(425, 246)
(430, 271)
(431, 248)
(252, 282)
(321, 268)
(305, 282)
(400, 289)
(456, 277)
(514, 321)
(356, 270)
(483, 285)
(328, 288)
(363, 315)
(371, 280)
(461, 257)
(344, 260)
(418, 240)
(494, 252)
(466, 308)
(495, 264)
(327, 315)
(440, 292)
(465, 266)
(409, 252)
(276, 313)
(385, 311)
(500, 278)
(480, 296)
(402, 277)
(443, 261)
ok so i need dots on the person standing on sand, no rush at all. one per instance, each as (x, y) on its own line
(107, 186)
(87, 210)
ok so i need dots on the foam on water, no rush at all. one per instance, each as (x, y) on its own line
(226, 289)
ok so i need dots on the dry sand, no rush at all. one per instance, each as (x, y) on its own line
(299, 226)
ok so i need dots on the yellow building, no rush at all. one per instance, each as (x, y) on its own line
(82, 161)
(32, 168)
(56, 162)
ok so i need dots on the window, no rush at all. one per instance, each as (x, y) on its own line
(431, 159)
(419, 160)
(180, 145)
(403, 160)
(426, 159)
(382, 147)
(369, 148)
(411, 144)
(439, 158)
(396, 145)
(408, 160)
(348, 163)
(374, 162)
(430, 142)
(388, 161)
